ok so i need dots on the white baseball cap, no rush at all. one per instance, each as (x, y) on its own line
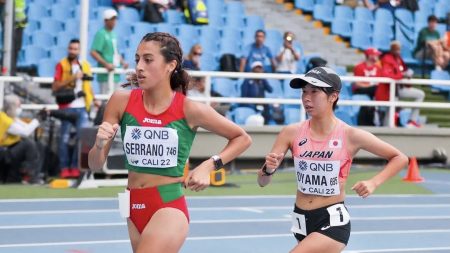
(109, 14)
(256, 64)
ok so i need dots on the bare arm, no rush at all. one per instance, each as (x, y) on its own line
(276, 155)
(201, 115)
(102, 61)
(272, 63)
(360, 139)
(106, 132)
(56, 85)
(242, 65)
(280, 55)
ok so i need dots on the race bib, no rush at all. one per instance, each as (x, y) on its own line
(317, 177)
(124, 204)
(298, 224)
(339, 215)
(151, 147)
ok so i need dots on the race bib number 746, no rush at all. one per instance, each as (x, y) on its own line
(152, 147)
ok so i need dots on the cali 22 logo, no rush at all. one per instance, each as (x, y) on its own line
(136, 134)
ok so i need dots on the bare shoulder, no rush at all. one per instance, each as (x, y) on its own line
(356, 134)
(116, 106)
(289, 131)
(193, 108)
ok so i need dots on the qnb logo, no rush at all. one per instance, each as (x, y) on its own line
(152, 121)
(136, 133)
(138, 206)
(303, 165)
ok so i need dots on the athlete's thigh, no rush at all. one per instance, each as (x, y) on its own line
(134, 235)
(318, 243)
(165, 232)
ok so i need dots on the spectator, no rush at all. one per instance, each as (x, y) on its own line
(446, 40)
(22, 153)
(72, 77)
(411, 5)
(386, 4)
(368, 68)
(349, 3)
(105, 52)
(118, 4)
(256, 88)
(197, 89)
(20, 22)
(153, 12)
(429, 45)
(154, 9)
(394, 67)
(196, 12)
(257, 51)
(192, 60)
(288, 55)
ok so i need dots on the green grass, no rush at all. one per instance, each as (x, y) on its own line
(245, 184)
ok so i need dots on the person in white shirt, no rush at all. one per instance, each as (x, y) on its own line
(21, 153)
(288, 55)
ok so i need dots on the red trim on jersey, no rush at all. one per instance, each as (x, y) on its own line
(136, 108)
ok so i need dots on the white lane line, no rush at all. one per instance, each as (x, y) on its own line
(111, 224)
(287, 218)
(237, 208)
(416, 231)
(252, 210)
(399, 250)
(55, 200)
(223, 197)
(46, 244)
(59, 212)
(201, 238)
(438, 182)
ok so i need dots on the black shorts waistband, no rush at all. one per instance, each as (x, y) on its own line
(314, 212)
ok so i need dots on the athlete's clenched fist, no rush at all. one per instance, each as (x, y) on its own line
(106, 132)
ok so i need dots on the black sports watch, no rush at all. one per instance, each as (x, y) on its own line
(218, 164)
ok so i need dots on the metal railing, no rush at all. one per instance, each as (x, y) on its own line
(392, 104)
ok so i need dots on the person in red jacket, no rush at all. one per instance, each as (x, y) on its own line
(394, 67)
(368, 68)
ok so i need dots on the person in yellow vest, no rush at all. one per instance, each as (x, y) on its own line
(196, 12)
(73, 92)
(21, 152)
(20, 22)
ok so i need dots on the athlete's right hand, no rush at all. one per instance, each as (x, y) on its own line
(105, 133)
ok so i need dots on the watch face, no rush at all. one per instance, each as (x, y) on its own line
(217, 162)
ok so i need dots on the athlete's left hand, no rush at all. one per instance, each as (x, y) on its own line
(364, 188)
(199, 178)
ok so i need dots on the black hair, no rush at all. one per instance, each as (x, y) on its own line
(74, 41)
(329, 91)
(171, 50)
(432, 18)
(260, 31)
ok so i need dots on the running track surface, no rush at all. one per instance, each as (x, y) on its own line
(260, 224)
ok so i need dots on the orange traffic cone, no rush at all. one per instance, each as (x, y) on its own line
(413, 174)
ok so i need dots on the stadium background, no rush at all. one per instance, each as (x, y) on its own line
(52, 23)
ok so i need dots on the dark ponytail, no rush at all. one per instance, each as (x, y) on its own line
(329, 91)
(171, 50)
